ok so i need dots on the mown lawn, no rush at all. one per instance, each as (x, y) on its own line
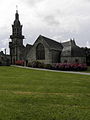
(41, 95)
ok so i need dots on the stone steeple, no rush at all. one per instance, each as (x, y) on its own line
(17, 28)
(16, 44)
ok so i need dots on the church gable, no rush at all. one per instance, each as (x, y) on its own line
(45, 49)
(71, 53)
(71, 49)
(41, 40)
(39, 51)
(51, 44)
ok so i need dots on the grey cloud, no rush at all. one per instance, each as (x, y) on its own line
(5, 44)
(32, 2)
(4, 38)
(86, 0)
(59, 18)
(51, 20)
(84, 34)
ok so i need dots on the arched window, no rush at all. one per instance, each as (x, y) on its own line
(40, 52)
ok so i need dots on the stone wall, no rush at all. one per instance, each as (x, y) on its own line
(32, 54)
(55, 56)
(73, 59)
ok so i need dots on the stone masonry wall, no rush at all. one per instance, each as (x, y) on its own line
(73, 59)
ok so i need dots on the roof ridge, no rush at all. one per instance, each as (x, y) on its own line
(52, 43)
(49, 39)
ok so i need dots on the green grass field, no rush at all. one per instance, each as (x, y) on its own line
(42, 95)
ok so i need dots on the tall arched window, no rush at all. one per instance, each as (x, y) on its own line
(40, 52)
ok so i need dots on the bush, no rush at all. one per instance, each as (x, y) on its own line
(36, 64)
(59, 66)
(29, 64)
(20, 62)
(70, 67)
(48, 66)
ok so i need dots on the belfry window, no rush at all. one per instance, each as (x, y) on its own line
(40, 52)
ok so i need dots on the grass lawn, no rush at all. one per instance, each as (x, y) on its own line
(42, 95)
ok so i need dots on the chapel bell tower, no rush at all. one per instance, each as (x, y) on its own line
(16, 45)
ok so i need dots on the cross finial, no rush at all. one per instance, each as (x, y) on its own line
(16, 8)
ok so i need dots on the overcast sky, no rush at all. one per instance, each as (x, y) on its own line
(56, 19)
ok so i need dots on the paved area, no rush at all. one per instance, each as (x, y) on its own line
(82, 73)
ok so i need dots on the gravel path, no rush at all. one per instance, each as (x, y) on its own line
(82, 73)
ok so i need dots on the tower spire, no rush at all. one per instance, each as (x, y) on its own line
(16, 8)
(17, 15)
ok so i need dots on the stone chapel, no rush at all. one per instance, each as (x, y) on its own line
(44, 49)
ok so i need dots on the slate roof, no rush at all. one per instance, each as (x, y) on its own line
(77, 51)
(52, 43)
(71, 49)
